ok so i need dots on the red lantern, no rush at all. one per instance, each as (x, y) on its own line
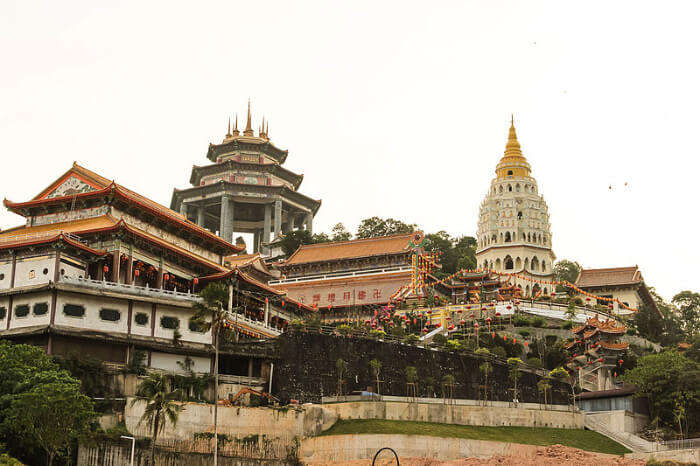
(137, 272)
(425, 330)
(588, 299)
(498, 314)
(525, 344)
(508, 307)
(620, 361)
(166, 277)
(282, 300)
(493, 335)
(195, 281)
(105, 269)
(514, 341)
(451, 327)
(414, 321)
(476, 325)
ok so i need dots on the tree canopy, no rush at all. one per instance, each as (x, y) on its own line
(374, 226)
(688, 304)
(566, 270)
(457, 253)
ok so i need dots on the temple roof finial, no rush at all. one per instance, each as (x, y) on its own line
(248, 127)
(228, 130)
(235, 125)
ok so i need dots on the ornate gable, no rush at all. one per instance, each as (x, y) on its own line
(71, 185)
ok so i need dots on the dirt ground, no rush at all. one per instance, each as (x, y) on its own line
(551, 455)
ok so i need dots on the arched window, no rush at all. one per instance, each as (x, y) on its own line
(527, 290)
(544, 266)
(518, 264)
(500, 189)
(546, 293)
(493, 238)
(527, 263)
(510, 188)
(528, 238)
(535, 264)
(501, 236)
(507, 236)
(517, 187)
(508, 263)
(486, 264)
(510, 172)
(498, 264)
(520, 215)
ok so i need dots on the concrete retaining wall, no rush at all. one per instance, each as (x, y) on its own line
(683, 456)
(456, 414)
(239, 422)
(620, 420)
(321, 450)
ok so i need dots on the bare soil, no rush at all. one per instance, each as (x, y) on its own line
(550, 455)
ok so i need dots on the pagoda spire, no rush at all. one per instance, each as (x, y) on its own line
(513, 162)
(512, 146)
(248, 127)
(228, 130)
(235, 125)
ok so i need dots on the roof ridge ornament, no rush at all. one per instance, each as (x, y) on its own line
(248, 127)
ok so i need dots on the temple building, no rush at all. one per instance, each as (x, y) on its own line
(345, 275)
(246, 190)
(513, 233)
(625, 284)
(596, 350)
(102, 271)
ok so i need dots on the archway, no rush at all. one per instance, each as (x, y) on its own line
(508, 263)
(518, 263)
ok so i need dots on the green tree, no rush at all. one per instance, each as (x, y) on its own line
(514, 374)
(161, 405)
(456, 253)
(374, 226)
(566, 270)
(292, 240)
(51, 411)
(411, 379)
(341, 367)
(669, 380)
(544, 386)
(485, 368)
(340, 233)
(688, 304)
(375, 366)
(210, 314)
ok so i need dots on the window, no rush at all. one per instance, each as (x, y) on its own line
(510, 172)
(3, 312)
(32, 274)
(74, 310)
(2, 276)
(40, 309)
(22, 310)
(170, 322)
(141, 318)
(111, 315)
(508, 263)
(520, 215)
(196, 327)
(45, 271)
(510, 189)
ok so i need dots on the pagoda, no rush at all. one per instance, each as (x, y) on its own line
(596, 350)
(246, 190)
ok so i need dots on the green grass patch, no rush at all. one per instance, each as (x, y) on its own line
(577, 438)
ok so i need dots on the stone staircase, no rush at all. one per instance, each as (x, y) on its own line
(631, 441)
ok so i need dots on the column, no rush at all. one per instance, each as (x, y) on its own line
(200, 216)
(309, 220)
(183, 210)
(116, 260)
(129, 276)
(226, 219)
(268, 221)
(290, 221)
(159, 279)
(256, 241)
(267, 312)
(278, 218)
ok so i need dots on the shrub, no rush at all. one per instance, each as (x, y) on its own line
(534, 362)
(520, 321)
(377, 334)
(568, 325)
(559, 373)
(631, 331)
(538, 322)
(453, 345)
(440, 339)
(499, 351)
(411, 339)
(524, 333)
(345, 329)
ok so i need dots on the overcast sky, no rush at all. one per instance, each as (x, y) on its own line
(388, 108)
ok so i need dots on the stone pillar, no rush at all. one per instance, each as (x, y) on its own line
(267, 312)
(226, 219)
(268, 221)
(278, 218)
(129, 276)
(183, 210)
(290, 221)
(308, 222)
(200, 216)
(256, 241)
(116, 260)
(250, 367)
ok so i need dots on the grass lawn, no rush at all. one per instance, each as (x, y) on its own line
(583, 439)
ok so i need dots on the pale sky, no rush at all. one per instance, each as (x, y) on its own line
(388, 108)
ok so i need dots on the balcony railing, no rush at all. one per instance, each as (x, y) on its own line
(329, 275)
(130, 289)
(38, 236)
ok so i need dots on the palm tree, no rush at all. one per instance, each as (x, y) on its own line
(216, 299)
(161, 405)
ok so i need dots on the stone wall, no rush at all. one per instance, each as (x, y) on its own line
(306, 370)
(321, 450)
(282, 423)
(457, 414)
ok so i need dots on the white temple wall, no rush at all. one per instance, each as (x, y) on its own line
(184, 317)
(91, 319)
(30, 319)
(169, 362)
(34, 270)
(5, 274)
(4, 303)
(138, 329)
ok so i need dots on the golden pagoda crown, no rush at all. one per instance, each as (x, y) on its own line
(513, 163)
